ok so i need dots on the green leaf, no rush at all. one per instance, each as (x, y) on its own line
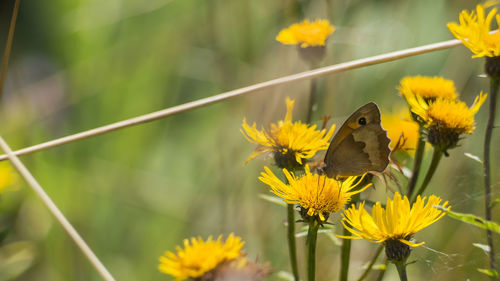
(472, 219)
(17, 258)
(273, 199)
(496, 201)
(489, 272)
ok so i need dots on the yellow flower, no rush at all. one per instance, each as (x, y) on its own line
(306, 33)
(454, 114)
(398, 221)
(446, 120)
(7, 176)
(402, 130)
(319, 195)
(291, 142)
(474, 31)
(200, 257)
(429, 88)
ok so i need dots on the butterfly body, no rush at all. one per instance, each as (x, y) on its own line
(360, 145)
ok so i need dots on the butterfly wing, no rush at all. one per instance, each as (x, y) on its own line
(361, 145)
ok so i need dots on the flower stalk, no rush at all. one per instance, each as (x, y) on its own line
(345, 255)
(436, 157)
(312, 236)
(345, 250)
(313, 56)
(417, 163)
(292, 243)
(8, 45)
(401, 267)
(292, 248)
(494, 84)
(313, 96)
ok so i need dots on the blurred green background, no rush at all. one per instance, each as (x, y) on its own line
(134, 193)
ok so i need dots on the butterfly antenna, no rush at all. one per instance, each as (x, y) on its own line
(317, 193)
(340, 189)
(322, 187)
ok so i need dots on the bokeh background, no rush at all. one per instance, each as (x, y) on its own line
(136, 192)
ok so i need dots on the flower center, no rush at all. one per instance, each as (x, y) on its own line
(396, 250)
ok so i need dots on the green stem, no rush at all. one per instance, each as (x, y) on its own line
(494, 83)
(313, 93)
(345, 250)
(372, 262)
(417, 163)
(345, 254)
(8, 45)
(292, 248)
(436, 156)
(312, 236)
(297, 9)
(401, 267)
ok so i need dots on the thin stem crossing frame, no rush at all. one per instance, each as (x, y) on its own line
(318, 72)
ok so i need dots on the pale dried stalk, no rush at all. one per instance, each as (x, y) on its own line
(56, 212)
(8, 45)
(238, 92)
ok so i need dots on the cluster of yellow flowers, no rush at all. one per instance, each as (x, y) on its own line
(435, 114)
(434, 102)
(320, 196)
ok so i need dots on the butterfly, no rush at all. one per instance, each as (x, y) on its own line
(361, 145)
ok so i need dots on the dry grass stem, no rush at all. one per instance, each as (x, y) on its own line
(23, 171)
(239, 92)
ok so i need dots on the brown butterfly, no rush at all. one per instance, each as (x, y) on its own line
(360, 145)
